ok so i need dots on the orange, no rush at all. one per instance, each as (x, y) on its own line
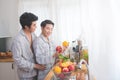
(57, 70)
(65, 43)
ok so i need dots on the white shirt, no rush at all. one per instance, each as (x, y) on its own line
(23, 55)
(44, 51)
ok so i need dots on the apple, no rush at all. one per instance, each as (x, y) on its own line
(65, 69)
(59, 49)
(61, 76)
(71, 67)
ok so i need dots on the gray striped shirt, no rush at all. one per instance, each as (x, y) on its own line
(44, 51)
(23, 55)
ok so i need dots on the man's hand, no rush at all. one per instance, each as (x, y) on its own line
(40, 67)
(56, 54)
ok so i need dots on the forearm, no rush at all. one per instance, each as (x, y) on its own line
(24, 64)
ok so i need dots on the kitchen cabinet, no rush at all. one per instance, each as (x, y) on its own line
(8, 71)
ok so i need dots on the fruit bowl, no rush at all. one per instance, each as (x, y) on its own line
(62, 76)
(63, 69)
(67, 73)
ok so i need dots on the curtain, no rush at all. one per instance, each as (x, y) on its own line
(104, 38)
(95, 22)
(65, 14)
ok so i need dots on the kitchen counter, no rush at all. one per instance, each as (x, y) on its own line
(6, 60)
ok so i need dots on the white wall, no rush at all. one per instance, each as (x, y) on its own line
(8, 18)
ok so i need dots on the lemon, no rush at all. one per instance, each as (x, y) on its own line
(64, 64)
(69, 63)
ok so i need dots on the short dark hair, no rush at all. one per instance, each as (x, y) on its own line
(43, 23)
(26, 19)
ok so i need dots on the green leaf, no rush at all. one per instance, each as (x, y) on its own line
(61, 56)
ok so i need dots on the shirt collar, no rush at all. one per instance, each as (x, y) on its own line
(23, 33)
(44, 39)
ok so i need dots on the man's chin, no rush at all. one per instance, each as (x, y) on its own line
(32, 31)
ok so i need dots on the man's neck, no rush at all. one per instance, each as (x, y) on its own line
(45, 37)
(29, 37)
(27, 32)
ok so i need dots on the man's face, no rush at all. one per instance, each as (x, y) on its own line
(47, 30)
(33, 26)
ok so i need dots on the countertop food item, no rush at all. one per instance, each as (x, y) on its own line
(9, 54)
(84, 68)
(64, 68)
(6, 56)
(3, 54)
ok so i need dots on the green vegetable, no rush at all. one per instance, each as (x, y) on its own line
(64, 58)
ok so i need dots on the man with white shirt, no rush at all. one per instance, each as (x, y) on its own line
(44, 48)
(22, 48)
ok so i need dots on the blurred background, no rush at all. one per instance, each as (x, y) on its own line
(95, 22)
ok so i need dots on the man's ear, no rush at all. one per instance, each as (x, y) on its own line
(26, 27)
(41, 28)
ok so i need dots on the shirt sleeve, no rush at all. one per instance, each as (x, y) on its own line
(19, 60)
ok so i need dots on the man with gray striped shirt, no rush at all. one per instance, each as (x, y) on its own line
(44, 49)
(22, 48)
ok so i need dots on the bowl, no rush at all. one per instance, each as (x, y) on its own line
(62, 76)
